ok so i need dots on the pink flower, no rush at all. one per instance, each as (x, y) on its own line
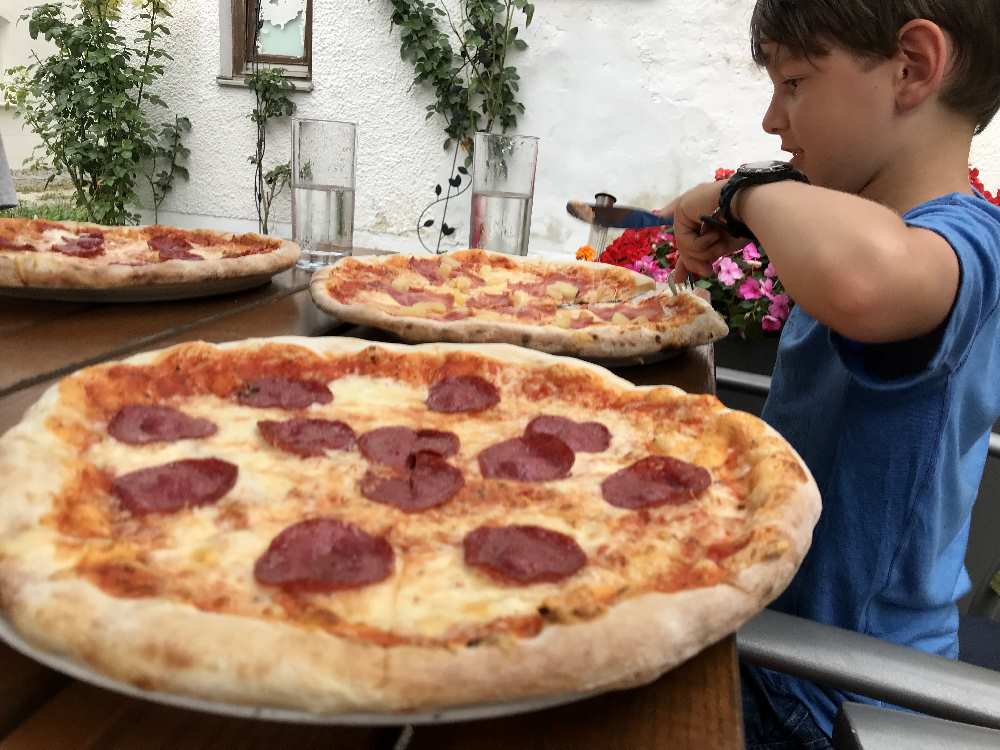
(770, 272)
(646, 264)
(767, 288)
(750, 252)
(729, 273)
(664, 237)
(779, 306)
(770, 323)
(750, 289)
(660, 274)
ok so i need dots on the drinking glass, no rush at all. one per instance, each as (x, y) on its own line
(503, 186)
(324, 155)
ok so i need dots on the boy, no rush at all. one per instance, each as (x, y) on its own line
(888, 373)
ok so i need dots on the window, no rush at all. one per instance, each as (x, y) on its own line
(284, 38)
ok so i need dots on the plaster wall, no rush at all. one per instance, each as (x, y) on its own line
(636, 97)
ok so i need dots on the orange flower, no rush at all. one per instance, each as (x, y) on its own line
(586, 253)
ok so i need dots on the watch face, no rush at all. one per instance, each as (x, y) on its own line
(765, 167)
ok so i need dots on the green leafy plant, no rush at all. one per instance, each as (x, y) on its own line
(475, 86)
(167, 154)
(51, 210)
(271, 91)
(87, 101)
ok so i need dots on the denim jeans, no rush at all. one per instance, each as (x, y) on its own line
(775, 721)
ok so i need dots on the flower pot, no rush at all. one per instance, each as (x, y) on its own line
(750, 355)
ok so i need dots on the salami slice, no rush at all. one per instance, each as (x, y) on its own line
(307, 437)
(531, 458)
(653, 481)
(462, 393)
(6, 244)
(582, 437)
(324, 554)
(139, 424)
(179, 484)
(87, 245)
(426, 482)
(284, 393)
(394, 446)
(523, 554)
(171, 247)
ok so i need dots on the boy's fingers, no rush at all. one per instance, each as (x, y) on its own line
(667, 210)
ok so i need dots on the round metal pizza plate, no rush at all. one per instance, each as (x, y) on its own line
(615, 363)
(612, 363)
(443, 716)
(148, 293)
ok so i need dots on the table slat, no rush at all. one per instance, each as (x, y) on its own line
(99, 332)
(694, 707)
(24, 686)
(82, 717)
(17, 314)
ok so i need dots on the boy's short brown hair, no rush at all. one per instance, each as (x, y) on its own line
(868, 28)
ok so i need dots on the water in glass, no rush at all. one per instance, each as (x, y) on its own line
(501, 221)
(323, 223)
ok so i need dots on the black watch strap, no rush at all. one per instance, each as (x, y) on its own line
(748, 176)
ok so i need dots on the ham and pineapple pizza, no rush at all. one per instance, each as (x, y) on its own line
(334, 526)
(41, 254)
(583, 309)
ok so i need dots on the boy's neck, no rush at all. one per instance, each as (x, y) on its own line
(933, 166)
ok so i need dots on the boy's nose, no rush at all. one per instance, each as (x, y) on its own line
(774, 119)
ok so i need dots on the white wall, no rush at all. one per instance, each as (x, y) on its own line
(636, 97)
(15, 49)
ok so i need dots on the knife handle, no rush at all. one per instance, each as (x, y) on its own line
(644, 220)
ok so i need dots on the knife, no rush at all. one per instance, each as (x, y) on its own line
(622, 217)
(629, 217)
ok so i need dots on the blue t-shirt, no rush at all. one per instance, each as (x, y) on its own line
(897, 437)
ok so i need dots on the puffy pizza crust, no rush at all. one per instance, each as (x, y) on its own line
(599, 341)
(167, 645)
(45, 270)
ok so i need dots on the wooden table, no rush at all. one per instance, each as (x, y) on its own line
(695, 706)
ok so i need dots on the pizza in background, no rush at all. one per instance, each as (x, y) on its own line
(473, 296)
(41, 254)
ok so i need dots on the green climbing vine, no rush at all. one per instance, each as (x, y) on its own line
(475, 83)
(476, 86)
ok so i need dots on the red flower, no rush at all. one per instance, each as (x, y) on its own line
(978, 185)
(632, 245)
(723, 174)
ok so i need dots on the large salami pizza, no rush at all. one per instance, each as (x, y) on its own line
(330, 525)
(593, 310)
(53, 255)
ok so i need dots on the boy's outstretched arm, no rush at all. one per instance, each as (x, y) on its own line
(849, 262)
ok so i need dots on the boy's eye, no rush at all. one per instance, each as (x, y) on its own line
(792, 83)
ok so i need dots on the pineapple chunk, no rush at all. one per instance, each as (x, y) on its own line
(426, 308)
(562, 290)
(462, 283)
(448, 264)
(620, 319)
(563, 319)
(520, 298)
(401, 284)
(205, 556)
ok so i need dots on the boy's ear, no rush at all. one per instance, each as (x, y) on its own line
(922, 60)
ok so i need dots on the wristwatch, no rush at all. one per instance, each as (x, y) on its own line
(754, 173)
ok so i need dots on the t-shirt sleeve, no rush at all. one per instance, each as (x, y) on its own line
(972, 228)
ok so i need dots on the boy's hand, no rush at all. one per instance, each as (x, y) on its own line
(698, 245)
